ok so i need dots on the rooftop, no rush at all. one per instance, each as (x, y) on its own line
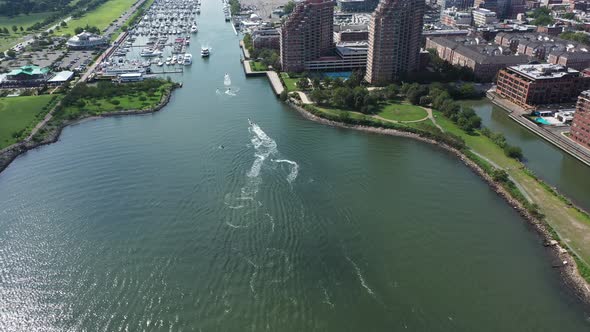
(544, 71)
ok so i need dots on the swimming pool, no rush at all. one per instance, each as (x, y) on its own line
(542, 121)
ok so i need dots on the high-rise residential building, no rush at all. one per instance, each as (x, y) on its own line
(395, 34)
(580, 130)
(307, 34)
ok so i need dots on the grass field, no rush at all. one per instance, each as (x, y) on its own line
(402, 112)
(290, 83)
(257, 66)
(7, 41)
(101, 17)
(136, 101)
(22, 20)
(18, 115)
(572, 226)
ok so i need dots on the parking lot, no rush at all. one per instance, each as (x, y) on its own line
(76, 61)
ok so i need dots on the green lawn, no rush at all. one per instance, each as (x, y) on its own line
(101, 17)
(128, 102)
(18, 115)
(7, 41)
(290, 83)
(257, 66)
(402, 112)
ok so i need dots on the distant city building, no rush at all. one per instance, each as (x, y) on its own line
(459, 4)
(266, 38)
(580, 129)
(533, 85)
(307, 34)
(576, 60)
(483, 17)
(394, 39)
(483, 59)
(455, 18)
(86, 40)
(351, 36)
(349, 6)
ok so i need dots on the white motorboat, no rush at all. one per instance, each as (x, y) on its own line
(188, 59)
(205, 52)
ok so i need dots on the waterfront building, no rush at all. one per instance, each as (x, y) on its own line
(86, 40)
(26, 76)
(307, 34)
(532, 85)
(349, 56)
(580, 129)
(395, 34)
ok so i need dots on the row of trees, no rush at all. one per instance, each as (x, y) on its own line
(16, 7)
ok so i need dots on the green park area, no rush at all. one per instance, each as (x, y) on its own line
(257, 66)
(289, 82)
(19, 115)
(7, 40)
(107, 97)
(402, 112)
(101, 17)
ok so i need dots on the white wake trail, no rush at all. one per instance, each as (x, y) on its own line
(360, 276)
(294, 169)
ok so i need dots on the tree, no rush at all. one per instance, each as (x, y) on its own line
(284, 95)
(303, 83)
(21, 29)
(288, 8)
(11, 53)
(513, 152)
(500, 175)
(5, 30)
(14, 28)
(78, 30)
(63, 24)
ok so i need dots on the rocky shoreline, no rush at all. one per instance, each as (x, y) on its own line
(11, 153)
(569, 272)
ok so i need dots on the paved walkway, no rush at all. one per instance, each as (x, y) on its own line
(304, 98)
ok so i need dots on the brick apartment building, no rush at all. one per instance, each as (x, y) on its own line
(580, 130)
(395, 33)
(307, 34)
(533, 85)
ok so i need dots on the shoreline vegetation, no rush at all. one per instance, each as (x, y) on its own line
(458, 130)
(127, 102)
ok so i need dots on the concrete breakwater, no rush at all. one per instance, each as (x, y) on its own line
(569, 272)
(10, 153)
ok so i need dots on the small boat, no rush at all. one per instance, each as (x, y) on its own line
(160, 63)
(188, 59)
(167, 63)
(194, 29)
(205, 52)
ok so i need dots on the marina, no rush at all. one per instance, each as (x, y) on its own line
(160, 40)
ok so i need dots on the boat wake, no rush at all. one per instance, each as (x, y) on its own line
(360, 276)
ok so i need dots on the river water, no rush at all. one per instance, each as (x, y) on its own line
(557, 168)
(194, 219)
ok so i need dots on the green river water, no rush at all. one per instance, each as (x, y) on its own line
(144, 223)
